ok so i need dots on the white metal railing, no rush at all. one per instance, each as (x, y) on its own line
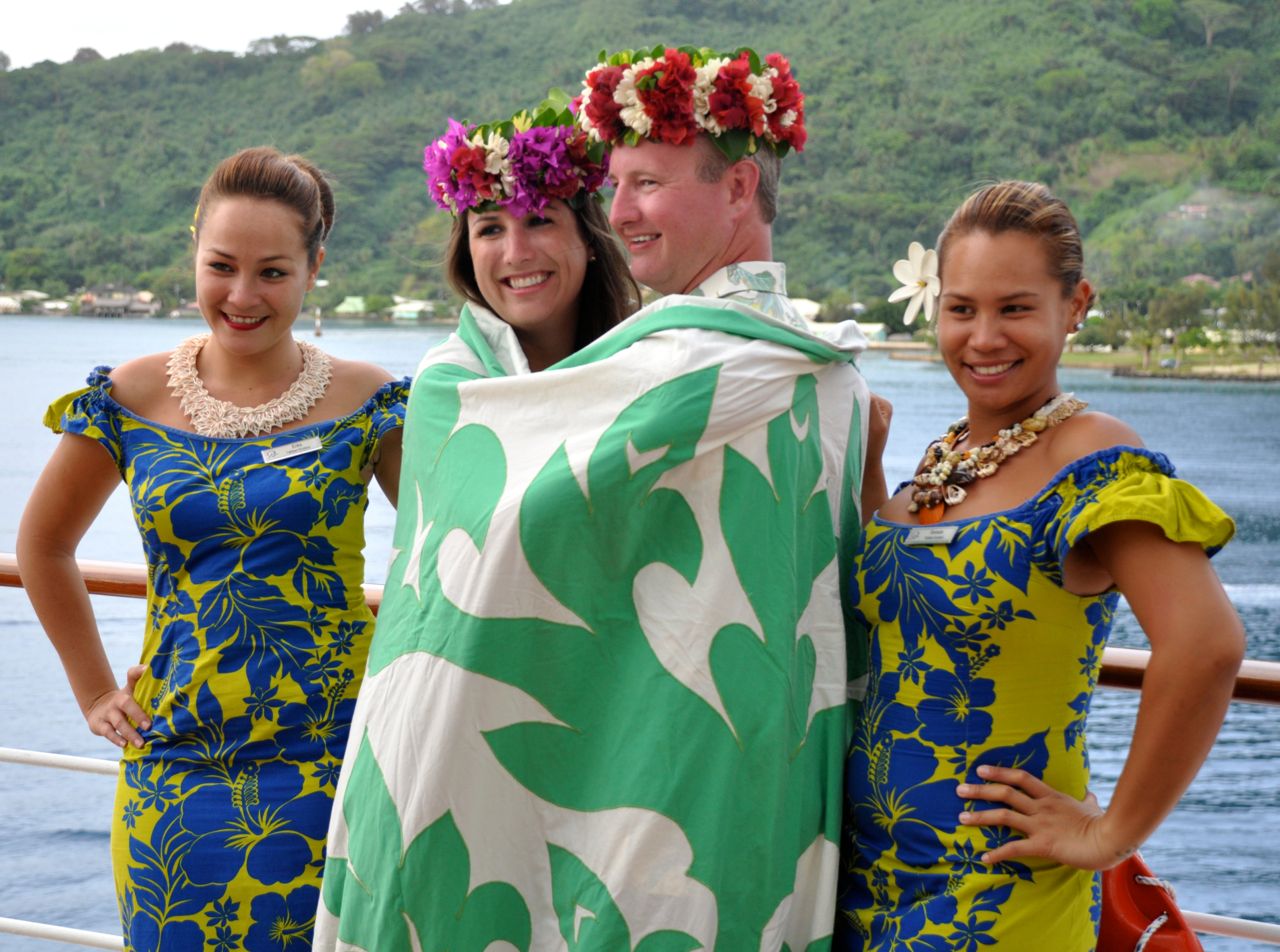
(38, 930)
(38, 758)
(1257, 682)
(1233, 928)
(42, 930)
(1201, 922)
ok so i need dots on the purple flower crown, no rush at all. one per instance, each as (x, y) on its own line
(519, 164)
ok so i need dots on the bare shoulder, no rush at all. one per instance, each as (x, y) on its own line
(353, 382)
(139, 383)
(359, 375)
(1087, 433)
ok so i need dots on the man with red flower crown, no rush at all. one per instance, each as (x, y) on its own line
(696, 140)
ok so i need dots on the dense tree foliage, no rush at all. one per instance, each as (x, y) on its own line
(1159, 120)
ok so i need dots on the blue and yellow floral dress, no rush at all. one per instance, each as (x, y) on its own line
(256, 639)
(979, 656)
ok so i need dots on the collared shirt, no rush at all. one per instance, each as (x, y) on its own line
(760, 284)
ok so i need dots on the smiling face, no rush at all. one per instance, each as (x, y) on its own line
(530, 271)
(252, 272)
(1003, 322)
(677, 228)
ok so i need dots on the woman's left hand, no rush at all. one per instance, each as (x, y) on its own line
(1053, 825)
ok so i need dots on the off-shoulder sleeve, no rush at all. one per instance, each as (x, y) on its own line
(389, 404)
(90, 412)
(1124, 484)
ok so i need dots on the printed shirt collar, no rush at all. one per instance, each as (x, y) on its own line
(760, 284)
(744, 277)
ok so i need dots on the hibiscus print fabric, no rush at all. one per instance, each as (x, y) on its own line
(256, 641)
(979, 656)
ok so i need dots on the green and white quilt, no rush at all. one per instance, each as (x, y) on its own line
(607, 703)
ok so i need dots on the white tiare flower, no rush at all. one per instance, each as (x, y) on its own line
(508, 177)
(581, 118)
(495, 148)
(703, 86)
(918, 272)
(627, 96)
(762, 89)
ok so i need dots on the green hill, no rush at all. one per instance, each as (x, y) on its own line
(1158, 119)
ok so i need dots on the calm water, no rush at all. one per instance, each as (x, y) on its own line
(1218, 847)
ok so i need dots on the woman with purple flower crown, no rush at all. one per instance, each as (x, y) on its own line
(530, 248)
(988, 583)
(532, 254)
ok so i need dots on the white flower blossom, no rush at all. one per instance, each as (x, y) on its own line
(625, 95)
(918, 273)
(762, 89)
(703, 86)
(581, 118)
(495, 148)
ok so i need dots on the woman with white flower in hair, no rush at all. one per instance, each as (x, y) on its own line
(988, 583)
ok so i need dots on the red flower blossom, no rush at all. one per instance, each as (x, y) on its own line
(787, 95)
(593, 173)
(468, 164)
(732, 105)
(601, 109)
(666, 92)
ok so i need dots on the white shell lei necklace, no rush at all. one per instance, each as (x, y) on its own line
(944, 472)
(210, 416)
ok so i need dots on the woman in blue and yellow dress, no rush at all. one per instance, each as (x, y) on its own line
(247, 455)
(988, 584)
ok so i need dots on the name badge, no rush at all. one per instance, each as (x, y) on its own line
(932, 535)
(289, 450)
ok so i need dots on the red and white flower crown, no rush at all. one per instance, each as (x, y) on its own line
(670, 95)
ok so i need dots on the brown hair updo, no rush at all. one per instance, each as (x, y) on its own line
(1028, 207)
(265, 172)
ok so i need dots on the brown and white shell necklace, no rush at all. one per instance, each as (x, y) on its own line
(210, 416)
(945, 471)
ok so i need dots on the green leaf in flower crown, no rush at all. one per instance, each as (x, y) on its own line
(735, 143)
(557, 99)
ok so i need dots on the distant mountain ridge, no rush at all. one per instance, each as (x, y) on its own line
(1132, 109)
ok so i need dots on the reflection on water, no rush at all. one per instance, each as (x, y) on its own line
(1217, 847)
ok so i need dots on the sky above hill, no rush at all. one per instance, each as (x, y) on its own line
(35, 30)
